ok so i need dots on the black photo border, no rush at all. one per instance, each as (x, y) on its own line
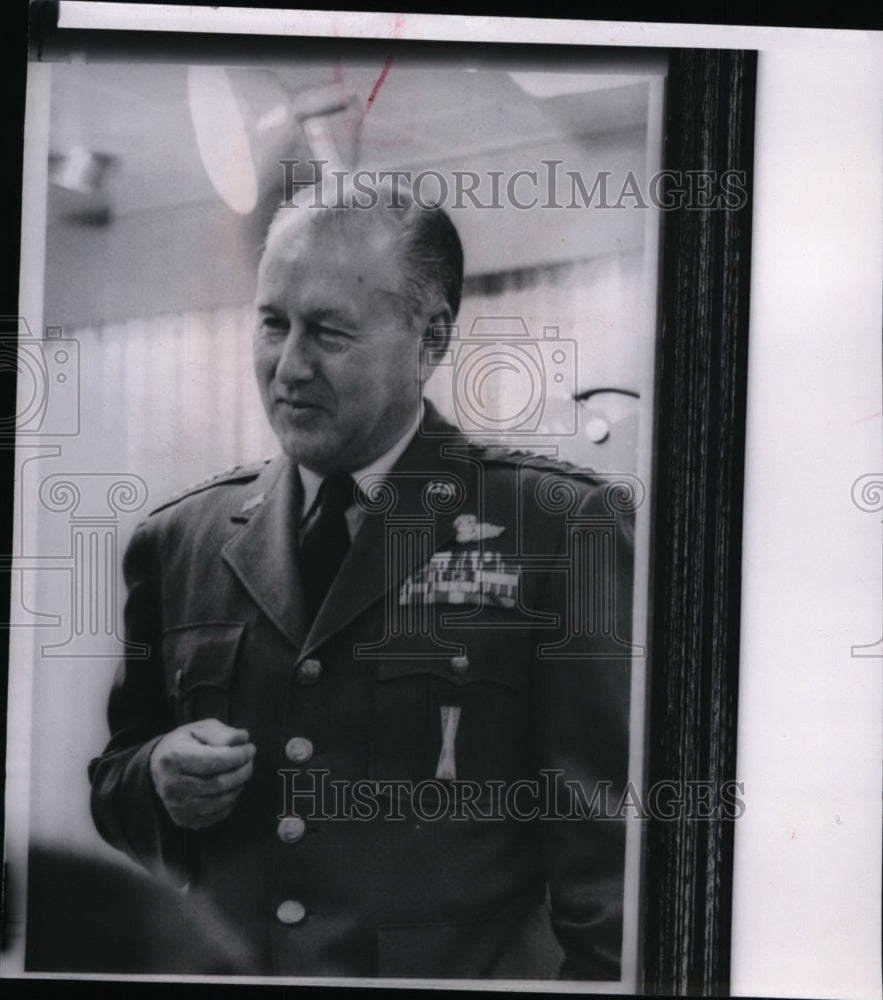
(699, 460)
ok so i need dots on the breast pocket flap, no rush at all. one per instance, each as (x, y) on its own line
(200, 655)
(470, 668)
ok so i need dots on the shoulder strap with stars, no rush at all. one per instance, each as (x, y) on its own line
(238, 474)
(489, 452)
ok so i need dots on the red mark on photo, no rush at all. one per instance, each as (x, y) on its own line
(397, 27)
(378, 84)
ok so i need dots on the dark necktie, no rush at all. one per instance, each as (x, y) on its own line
(327, 539)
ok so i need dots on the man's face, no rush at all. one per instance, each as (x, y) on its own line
(335, 351)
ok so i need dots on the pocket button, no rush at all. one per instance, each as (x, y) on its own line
(298, 750)
(308, 672)
(459, 664)
(291, 829)
(290, 912)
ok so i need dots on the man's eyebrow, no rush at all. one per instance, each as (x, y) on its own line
(332, 314)
(316, 314)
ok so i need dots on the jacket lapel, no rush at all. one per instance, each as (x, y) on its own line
(263, 555)
(380, 559)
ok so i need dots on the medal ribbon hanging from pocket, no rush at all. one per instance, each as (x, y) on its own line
(447, 764)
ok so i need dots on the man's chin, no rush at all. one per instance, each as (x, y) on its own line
(312, 451)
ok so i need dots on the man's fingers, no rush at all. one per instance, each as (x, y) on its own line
(199, 769)
(220, 784)
(213, 806)
(207, 812)
(204, 761)
(215, 733)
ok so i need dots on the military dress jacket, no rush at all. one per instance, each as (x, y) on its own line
(429, 750)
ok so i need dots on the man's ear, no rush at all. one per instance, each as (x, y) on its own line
(436, 334)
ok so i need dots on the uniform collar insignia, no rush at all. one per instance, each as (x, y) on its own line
(469, 529)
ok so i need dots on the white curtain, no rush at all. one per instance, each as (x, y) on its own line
(171, 398)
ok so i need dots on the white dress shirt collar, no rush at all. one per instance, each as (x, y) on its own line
(311, 481)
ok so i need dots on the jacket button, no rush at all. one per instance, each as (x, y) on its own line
(290, 830)
(459, 664)
(298, 749)
(308, 672)
(290, 912)
(178, 680)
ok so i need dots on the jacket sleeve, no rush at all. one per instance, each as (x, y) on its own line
(126, 809)
(584, 684)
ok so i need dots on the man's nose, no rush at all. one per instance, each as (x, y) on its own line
(296, 362)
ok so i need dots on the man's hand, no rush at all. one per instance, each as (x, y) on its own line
(199, 769)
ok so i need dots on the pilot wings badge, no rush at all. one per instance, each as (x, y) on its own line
(470, 530)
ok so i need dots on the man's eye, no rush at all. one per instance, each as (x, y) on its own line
(331, 339)
(274, 324)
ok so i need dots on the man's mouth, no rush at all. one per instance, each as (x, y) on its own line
(298, 404)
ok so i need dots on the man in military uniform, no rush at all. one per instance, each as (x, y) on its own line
(388, 671)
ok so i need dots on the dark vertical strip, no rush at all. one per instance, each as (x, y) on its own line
(696, 578)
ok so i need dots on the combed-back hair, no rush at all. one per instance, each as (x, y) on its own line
(431, 254)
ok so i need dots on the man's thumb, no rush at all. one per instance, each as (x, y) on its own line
(215, 733)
